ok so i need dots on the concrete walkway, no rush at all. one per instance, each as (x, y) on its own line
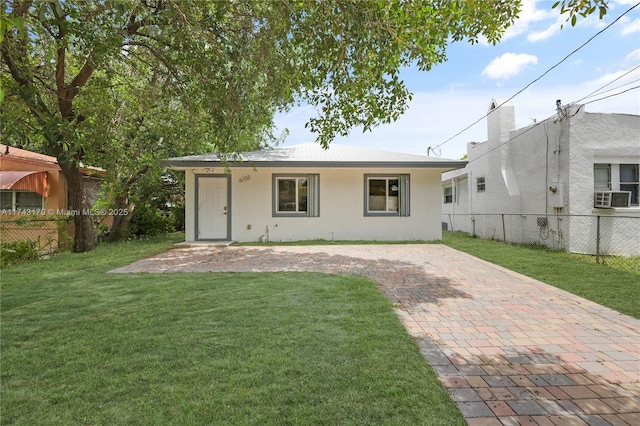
(509, 349)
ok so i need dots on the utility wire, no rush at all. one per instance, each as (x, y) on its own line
(610, 96)
(545, 121)
(542, 75)
(611, 82)
(607, 91)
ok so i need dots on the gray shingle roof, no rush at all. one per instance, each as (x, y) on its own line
(313, 155)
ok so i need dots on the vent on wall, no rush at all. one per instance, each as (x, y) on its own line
(609, 199)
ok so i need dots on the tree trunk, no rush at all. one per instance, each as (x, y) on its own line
(121, 202)
(84, 238)
(118, 229)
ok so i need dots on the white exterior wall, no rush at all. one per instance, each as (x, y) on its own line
(602, 138)
(341, 207)
(559, 154)
(189, 205)
(459, 182)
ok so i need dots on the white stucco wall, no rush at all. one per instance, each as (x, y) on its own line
(602, 138)
(558, 154)
(599, 138)
(341, 207)
(454, 214)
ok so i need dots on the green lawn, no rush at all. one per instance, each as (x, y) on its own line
(80, 346)
(605, 285)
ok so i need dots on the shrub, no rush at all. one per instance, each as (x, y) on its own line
(149, 221)
(178, 214)
(18, 252)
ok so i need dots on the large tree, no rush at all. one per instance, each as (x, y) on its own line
(103, 80)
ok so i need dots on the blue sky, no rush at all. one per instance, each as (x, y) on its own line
(456, 93)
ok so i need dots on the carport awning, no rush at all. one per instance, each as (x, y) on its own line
(34, 181)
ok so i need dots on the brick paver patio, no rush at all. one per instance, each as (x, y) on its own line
(509, 349)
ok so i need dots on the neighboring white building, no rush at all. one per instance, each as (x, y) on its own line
(547, 179)
(304, 192)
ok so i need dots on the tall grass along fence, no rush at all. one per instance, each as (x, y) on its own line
(25, 237)
(605, 239)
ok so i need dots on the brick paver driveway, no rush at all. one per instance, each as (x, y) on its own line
(509, 349)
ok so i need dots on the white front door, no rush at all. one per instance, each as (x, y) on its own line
(212, 217)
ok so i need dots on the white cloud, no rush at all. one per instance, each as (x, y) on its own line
(633, 57)
(508, 65)
(528, 16)
(550, 31)
(614, 77)
(629, 2)
(631, 27)
(436, 116)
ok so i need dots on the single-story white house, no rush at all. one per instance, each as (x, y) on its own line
(304, 192)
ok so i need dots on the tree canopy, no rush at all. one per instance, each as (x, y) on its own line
(122, 83)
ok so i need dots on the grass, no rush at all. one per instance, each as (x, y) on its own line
(81, 346)
(611, 287)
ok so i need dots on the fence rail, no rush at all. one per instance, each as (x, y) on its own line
(605, 239)
(26, 237)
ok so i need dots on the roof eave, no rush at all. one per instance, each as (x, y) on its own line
(445, 165)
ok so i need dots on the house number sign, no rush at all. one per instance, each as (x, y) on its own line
(244, 178)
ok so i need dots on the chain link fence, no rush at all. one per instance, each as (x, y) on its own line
(26, 237)
(610, 240)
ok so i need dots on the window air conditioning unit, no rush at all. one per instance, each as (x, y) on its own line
(609, 199)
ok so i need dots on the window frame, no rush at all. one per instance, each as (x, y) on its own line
(634, 201)
(14, 197)
(481, 184)
(447, 197)
(615, 182)
(403, 197)
(313, 195)
(600, 186)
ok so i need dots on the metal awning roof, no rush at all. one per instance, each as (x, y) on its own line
(313, 155)
(34, 181)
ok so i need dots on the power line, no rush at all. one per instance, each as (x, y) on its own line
(610, 96)
(610, 90)
(537, 79)
(545, 121)
(612, 81)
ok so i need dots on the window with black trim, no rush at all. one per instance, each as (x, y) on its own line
(448, 194)
(480, 184)
(296, 195)
(387, 195)
(21, 200)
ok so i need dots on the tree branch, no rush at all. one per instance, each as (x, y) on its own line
(159, 56)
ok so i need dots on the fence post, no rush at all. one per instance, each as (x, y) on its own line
(504, 232)
(597, 239)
